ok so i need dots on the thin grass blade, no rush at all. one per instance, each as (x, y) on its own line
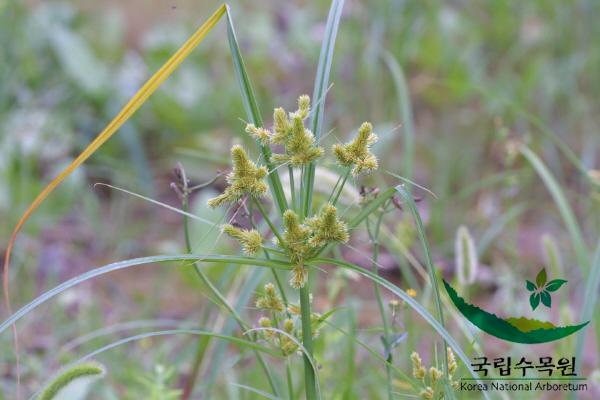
(564, 208)
(405, 108)
(126, 112)
(133, 263)
(320, 91)
(253, 112)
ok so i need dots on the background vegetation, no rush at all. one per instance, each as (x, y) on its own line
(471, 82)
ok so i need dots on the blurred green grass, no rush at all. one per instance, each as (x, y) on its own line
(474, 73)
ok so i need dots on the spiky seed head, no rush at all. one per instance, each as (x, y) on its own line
(270, 289)
(295, 237)
(298, 277)
(244, 179)
(435, 375)
(294, 309)
(281, 126)
(357, 152)
(299, 142)
(419, 370)
(303, 106)
(265, 322)
(326, 227)
(288, 325)
(426, 393)
(270, 300)
(452, 366)
(262, 135)
(251, 240)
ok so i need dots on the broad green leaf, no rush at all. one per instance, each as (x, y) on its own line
(534, 300)
(530, 286)
(554, 285)
(541, 277)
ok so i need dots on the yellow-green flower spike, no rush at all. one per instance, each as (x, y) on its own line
(419, 370)
(288, 346)
(295, 236)
(327, 227)
(452, 366)
(265, 322)
(357, 152)
(250, 239)
(299, 142)
(298, 277)
(245, 179)
(270, 300)
(281, 126)
(262, 135)
(427, 393)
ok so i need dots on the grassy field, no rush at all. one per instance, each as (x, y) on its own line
(488, 170)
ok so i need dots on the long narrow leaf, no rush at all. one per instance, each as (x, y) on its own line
(564, 208)
(235, 340)
(132, 263)
(126, 112)
(320, 91)
(408, 200)
(405, 109)
(253, 112)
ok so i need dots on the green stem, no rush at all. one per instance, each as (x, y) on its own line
(307, 342)
(203, 344)
(268, 257)
(264, 214)
(374, 236)
(337, 196)
(292, 187)
(290, 382)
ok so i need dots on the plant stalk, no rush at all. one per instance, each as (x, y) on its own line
(374, 236)
(307, 342)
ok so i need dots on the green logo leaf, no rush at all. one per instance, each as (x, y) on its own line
(554, 285)
(541, 277)
(534, 300)
(530, 286)
(546, 299)
(541, 290)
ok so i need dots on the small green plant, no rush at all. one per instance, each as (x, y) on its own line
(541, 289)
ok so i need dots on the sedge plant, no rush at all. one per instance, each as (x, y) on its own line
(291, 232)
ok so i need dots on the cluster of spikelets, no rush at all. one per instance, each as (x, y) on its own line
(430, 378)
(300, 239)
(244, 179)
(282, 318)
(289, 131)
